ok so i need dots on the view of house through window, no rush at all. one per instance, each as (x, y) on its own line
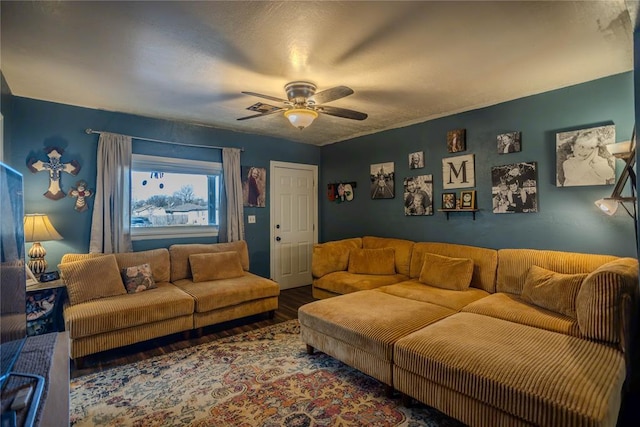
(170, 201)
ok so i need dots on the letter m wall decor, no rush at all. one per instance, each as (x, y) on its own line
(458, 172)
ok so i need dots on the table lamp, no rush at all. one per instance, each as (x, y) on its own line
(38, 228)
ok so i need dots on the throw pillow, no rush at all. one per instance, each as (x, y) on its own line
(446, 272)
(215, 266)
(553, 291)
(372, 261)
(92, 278)
(138, 278)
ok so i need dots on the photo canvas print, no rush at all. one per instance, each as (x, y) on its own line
(382, 179)
(514, 188)
(582, 157)
(456, 140)
(416, 160)
(254, 186)
(418, 192)
(458, 172)
(509, 142)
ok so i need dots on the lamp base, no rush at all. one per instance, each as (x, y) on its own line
(37, 264)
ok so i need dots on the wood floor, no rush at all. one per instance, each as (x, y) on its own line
(288, 303)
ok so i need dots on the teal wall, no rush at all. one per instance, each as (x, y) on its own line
(35, 125)
(567, 218)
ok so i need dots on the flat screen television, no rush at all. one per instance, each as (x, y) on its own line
(13, 318)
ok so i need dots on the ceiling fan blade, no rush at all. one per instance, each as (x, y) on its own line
(262, 114)
(341, 112)
(259, 95)
(332, 94)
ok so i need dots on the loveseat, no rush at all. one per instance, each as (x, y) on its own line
(489, 337)
(124, 298)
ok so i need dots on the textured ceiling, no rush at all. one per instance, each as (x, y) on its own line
(407, 62)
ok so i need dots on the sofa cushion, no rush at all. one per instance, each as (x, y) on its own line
(372, 261)
(446, 272)
(604, 294)
(351, 319)
(414, 290)
(332, 256)
(343, 282)
(541, 377)
(553, 291)
(214, 294)
(92, 278)
(514, 309)
(158, 259)
(402, 247)
(180, 267)
(514, 265)
(215, 266)
(138, 278)
(114, 313)
(485, 261)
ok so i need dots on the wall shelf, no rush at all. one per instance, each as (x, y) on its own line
(448, 211)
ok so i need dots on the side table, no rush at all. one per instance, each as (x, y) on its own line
(44, 307)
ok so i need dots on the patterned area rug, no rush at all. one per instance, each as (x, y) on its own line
(258, 378)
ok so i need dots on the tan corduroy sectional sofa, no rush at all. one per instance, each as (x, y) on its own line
(489, 337)
(196, 285)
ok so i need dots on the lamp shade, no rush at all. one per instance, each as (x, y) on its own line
(607, 206)
(301, 117)
(38, 228)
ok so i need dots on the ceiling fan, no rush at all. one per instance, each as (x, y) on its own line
(303, 104)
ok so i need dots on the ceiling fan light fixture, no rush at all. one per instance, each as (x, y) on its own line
(301, 117)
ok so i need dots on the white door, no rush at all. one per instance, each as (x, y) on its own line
(294, 215)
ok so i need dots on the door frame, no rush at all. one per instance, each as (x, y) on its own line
(272, 186)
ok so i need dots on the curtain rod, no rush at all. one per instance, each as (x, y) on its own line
(89, 131)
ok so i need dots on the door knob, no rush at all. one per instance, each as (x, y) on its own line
(278, 239)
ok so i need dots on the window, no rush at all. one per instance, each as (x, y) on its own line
(174, 197)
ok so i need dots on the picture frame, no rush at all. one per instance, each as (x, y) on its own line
(448, 200)
(509, 142)
(418, 195)
(382, 176)
(416, 160)
(514, 188)
(468, 199)
(456, 140)
(254, 182)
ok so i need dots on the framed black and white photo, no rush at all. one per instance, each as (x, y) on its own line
(382, 181)
(509, 142)
(458, 172)
(416, 160)
(456, 140)
(514, 188)
(582, 157)
(418, 192)
(448, 200)
(468, 199)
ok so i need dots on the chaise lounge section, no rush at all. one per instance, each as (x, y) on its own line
(537, 337)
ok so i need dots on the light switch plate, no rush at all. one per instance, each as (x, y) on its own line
(252, 219)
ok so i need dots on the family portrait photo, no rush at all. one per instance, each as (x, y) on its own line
(514, 188)
(448, 200)
(582, 157)
(416, 160)
(509, 142)
(382, 181)
(254, 186)
(418, 191)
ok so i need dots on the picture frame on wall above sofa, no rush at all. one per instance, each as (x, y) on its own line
(456, 140)
(582, 157)
(514, 188)
(448, 200)
(418, 192)
(416, 160)
(509, 142)
(382, 180)
(468, 199)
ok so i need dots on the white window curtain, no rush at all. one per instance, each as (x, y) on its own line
(233, 191)
(111, 224)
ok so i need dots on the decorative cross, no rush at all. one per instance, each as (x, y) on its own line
(81, 193)
(54, 167)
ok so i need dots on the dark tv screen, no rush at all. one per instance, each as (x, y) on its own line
(13, 320)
